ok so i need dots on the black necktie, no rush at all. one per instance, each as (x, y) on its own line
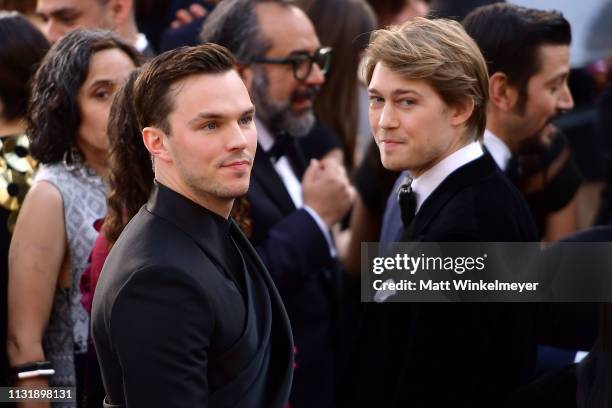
(286, 146)
(407, 202)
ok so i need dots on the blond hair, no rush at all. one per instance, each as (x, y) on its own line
(441, 53)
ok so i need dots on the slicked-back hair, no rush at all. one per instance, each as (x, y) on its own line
(510, 36)
(22, 48)
(54, 115)
(234, 25)
(153, 99)
(147, 99)
(440, 53)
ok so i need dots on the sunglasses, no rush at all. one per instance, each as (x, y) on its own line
(302, 62)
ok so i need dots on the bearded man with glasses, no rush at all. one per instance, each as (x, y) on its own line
(292, 203)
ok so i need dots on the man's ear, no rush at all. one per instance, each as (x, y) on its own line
(246, 73)
(121, 10)
(502, 94)
(156, 142)
(461, 112)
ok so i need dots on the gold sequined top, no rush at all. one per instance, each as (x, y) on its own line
(17, 168)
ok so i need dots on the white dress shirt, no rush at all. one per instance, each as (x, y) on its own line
(498, 149)
(427, 182)
(292, 184)
(141, 43)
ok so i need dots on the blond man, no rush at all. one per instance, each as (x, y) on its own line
(428, 89)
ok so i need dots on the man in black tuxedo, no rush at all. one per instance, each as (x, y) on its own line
(293, 203)
(428, 89)
(185, 313)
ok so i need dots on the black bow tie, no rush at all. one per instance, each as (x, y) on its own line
(283, 145)
(287, 146)
(407, 202)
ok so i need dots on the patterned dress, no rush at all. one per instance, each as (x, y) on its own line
(84, 197)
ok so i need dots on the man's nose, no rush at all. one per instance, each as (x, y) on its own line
(316, 76)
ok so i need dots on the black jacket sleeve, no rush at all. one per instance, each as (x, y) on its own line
(160, 327)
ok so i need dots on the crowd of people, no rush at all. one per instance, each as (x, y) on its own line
(186, 187)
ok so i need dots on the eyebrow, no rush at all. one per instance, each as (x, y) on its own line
(62, 12)
(102, 82)
(213, 115)
(396, 92)
(558, 77)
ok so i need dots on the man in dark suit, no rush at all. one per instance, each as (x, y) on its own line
(185, 313)
(293, 203)
(428, 93)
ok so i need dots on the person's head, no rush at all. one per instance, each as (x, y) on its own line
(397, 12)
(72, 93)
(63, 16)
(21, 50)
(345, 25)
(196, 119)
(274, 43)
(527, 52)
(428, 89)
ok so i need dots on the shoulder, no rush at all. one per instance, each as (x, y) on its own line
(490, 209)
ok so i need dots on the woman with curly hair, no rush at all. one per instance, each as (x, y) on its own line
(71, 96)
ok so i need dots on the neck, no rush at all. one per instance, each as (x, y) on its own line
(459, 143)
(14, 127)
(128, 32)
(495, 124)
(219, 205)
(95, 159)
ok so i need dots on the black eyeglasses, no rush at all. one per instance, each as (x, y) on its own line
(302, 62)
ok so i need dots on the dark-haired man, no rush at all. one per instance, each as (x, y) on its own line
(59, 17)
(185, 314)
(293, 203)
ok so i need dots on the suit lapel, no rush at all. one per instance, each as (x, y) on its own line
(464, 176)
(268, 178)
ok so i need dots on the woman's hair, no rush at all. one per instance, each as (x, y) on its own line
(22, 48)
(344, 25)
(131, 172)
(53, 113)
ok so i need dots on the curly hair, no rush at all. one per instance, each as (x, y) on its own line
(53, 113)
(131, 174)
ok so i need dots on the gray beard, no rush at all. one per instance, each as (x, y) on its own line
(278, 117)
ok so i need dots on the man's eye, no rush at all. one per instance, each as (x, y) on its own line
(407, 102)
(69, 21)
(246, 120)
(210, 126)
(376, 99)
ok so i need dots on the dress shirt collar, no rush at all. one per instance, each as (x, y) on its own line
(498, 149)
(264, 138)
(427, 182)
(141, 43)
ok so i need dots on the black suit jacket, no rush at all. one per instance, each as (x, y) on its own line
(297, 255)
(451, 354)
(182, 317)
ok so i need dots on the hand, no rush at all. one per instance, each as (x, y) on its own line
(184, 17)
(327, 190)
